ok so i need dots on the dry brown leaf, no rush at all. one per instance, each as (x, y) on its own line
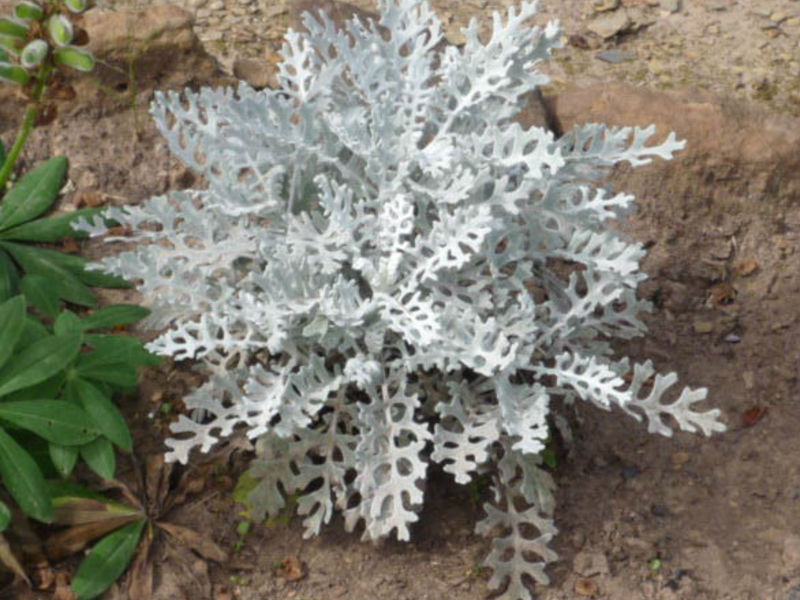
(8, 559)
(586, 587)
(221, 592)
(753, 415)
(746, 267)
(63, 590)
(723, 294)
(44, 575)
(89, 199)
(291, 569)
(195, 541)
(79, 511)
(140, 584)
(77, 538)
(157, 481)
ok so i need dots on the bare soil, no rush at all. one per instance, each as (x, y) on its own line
(640, 516)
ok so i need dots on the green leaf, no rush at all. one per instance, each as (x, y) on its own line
(46, 263)
(106, 415)
(49, 388)
(73, 264)
(9, 278)
(50, 229)
(39, 361)
(76, 58)
(111, 349)
(34, 193)
(39, 292)
(5, 516)
(32, 331)
(115, 315)
(12, 318)
(99, 455)
(4, 58)
(64, 458)
(56, 421)
(118, 374)
(107, 561)
(67, 323)
(13, 28)
(28, 10)
(33, 54)
(23, 479)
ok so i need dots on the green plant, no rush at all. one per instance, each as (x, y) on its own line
(46, 276)
(36, 45)
(56, 385)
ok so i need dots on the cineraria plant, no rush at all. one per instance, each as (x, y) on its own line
(386, 270)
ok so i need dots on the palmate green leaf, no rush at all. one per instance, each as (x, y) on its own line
(50, 229)
(33, 194)
(99, 455)
(23, 479)
(43, 262)
(12, 319)
(105, 414)
(107, 561)
(38, 361)
(9, 278)
(38, 291)
(56, 421)
(114, 316)
(64, 458)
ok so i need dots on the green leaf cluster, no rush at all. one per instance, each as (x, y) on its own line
(46, 277)
(56, 385)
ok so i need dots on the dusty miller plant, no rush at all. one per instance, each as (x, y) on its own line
(387, 271)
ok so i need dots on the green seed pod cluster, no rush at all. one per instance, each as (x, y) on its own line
(40, 33)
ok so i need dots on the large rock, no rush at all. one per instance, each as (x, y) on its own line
(733, 151)
(139, 50)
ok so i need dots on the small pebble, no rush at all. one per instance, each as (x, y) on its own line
(630, 472)
(615, 56)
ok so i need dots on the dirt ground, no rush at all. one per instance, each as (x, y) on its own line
(639, 516)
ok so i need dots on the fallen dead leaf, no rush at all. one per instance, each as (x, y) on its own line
(140, 584)
(221, 592)
(753, 415)
(723, 294)
(680, 458)
(586, 587)
(8, 559)
(291, 569)
(63, 590)
(90, 199)
(195, 541)
(746, 267)
(76, 538)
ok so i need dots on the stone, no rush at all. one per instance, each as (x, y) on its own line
(670, 6)
(610, 24)
(735, 152)
(605, 5)
(588, 563)
(339, 12)
(257, 73)
(615, 55)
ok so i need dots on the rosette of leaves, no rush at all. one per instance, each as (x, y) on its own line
(386, 270)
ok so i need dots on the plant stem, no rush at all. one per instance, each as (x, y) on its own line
(28, 123)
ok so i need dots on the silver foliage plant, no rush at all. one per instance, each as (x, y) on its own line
(387, 271)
